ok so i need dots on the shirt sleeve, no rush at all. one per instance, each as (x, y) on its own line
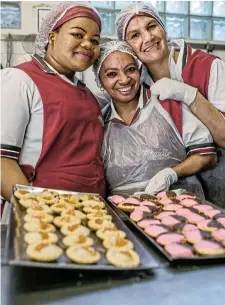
(197, 138)
(216, 88)
(16, 97)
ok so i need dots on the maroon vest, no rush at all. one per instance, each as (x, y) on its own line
(72, 135)
(196, 73)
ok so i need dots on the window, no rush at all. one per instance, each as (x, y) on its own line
(196, 20)
(10, 15)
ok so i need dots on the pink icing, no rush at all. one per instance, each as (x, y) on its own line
(207, 245)
(169, 221)
(188, 203)
(203, 207)
(194, 218)
(172, 207)
(145, 223)
(155, 230)
(178, 250)
(169, 238)
(117, 199)
(189, 227)
(148, 203)
(219, 234)
(183, 211)
(212, 213)
(132, 201)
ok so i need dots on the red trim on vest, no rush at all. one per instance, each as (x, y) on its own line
(72, 135)
(196, 72)
(174, 108)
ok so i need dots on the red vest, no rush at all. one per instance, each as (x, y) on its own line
(72, 135)
(196, 73)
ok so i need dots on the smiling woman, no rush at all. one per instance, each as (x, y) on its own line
(143, 149)
(49, 116)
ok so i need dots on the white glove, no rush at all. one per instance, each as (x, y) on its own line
(161, 181)
(167, 88)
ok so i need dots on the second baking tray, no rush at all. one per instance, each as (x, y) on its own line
(16, 254)
(193, 259)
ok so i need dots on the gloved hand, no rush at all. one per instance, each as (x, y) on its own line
(167, 88)
(161, 181)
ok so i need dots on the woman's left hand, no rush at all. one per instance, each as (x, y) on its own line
(161, 181)
(167, 88)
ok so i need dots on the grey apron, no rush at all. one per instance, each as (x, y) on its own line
(133, 154)
(213, 181)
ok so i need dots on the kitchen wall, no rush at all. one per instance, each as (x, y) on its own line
(29, 25)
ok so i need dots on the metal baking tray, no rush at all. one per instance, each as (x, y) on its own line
(15, 247)
(195, 259)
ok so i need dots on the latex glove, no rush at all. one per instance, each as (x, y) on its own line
(161, 181)
(167, 88)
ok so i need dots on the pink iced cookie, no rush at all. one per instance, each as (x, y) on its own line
(161, 195)
(155, 230)
(170, 220)
(183, 212)
(140, 212)
(212, 213)
(206, 247)
(145, 223)
(169, 238)
(117, 199)
(194, 218)
(172, 207)
(178, 250)
(164, 214)
(219, 235)
(188, 203)
(188, 228)
(148, 203)
(202, 208)
(133, 201)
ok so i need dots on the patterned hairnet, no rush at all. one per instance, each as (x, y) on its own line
(129, 12)
(55, 14)
(106, 49)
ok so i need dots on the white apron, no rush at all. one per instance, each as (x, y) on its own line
(133, 154)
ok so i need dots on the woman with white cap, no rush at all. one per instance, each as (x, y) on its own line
(144, 148)
(177, 73)
(52, 130)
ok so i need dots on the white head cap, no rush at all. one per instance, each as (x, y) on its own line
(129, 12)
(106, 49)
(52, 18)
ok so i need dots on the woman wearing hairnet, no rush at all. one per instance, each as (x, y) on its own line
(178, 73)
(52, 130)
(145, 147)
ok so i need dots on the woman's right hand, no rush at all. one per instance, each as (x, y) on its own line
(167, 88)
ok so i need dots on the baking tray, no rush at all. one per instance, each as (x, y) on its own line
(15, 247)
(194, 259)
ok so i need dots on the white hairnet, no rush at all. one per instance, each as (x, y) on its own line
(48, 23)
(129, 12)
(106, 49)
